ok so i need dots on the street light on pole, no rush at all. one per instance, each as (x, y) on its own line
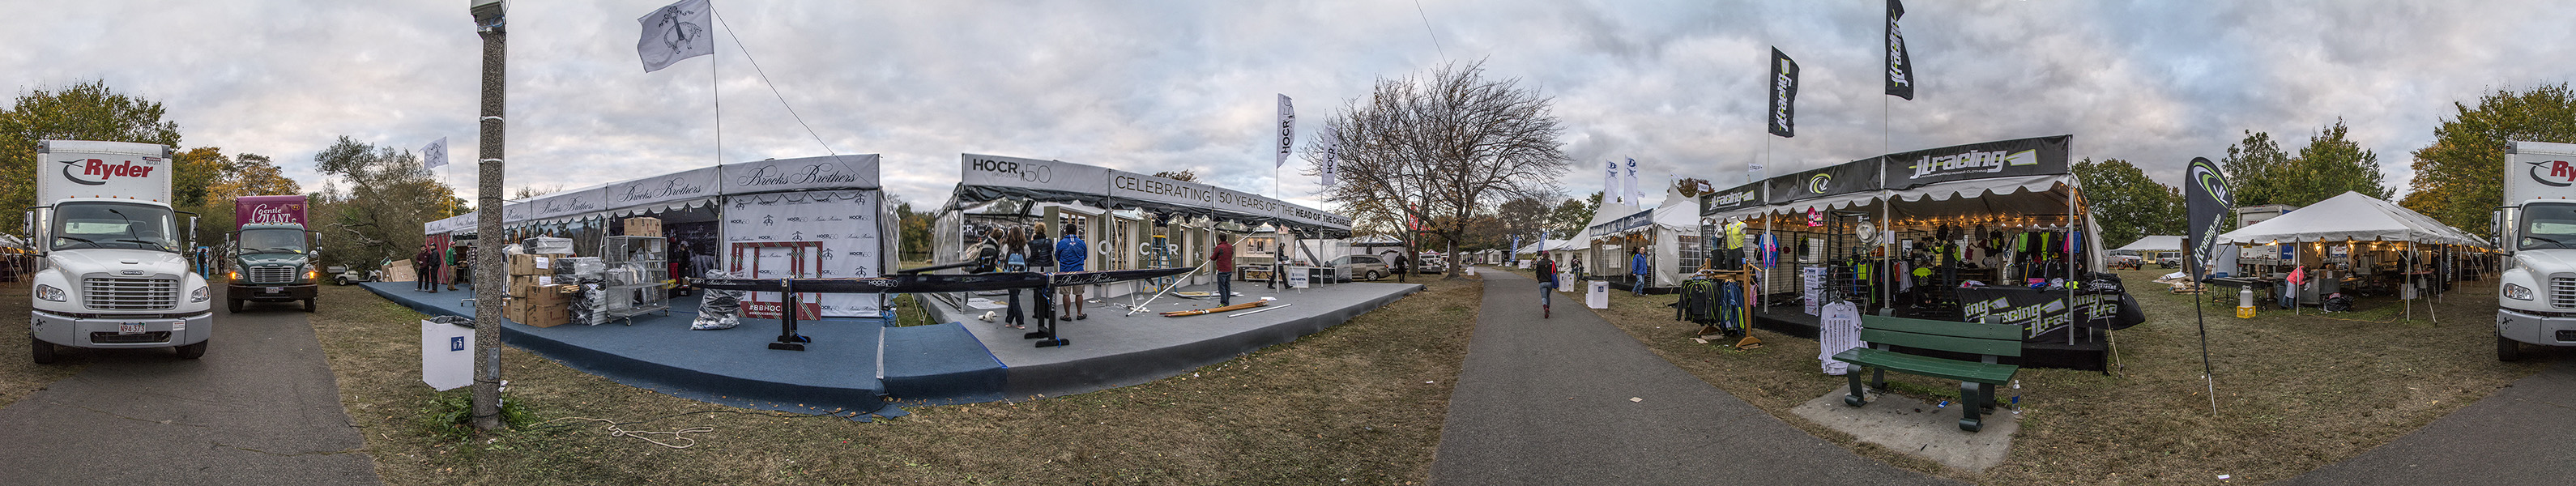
(488, 274)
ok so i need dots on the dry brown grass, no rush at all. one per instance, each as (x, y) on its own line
(19, 374)
(1362, 401)
(2296, 392)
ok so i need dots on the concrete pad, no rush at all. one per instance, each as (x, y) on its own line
(1909, 426)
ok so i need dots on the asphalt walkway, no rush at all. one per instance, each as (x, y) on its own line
(2519, 435)
(1548, 401)
(260, 408)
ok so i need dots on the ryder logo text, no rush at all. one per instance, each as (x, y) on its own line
(94, 172)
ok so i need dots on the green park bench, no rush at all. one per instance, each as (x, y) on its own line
(1977, 379)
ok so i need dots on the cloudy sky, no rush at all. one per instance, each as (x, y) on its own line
(1166, 85)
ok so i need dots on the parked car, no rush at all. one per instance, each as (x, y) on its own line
(1366, 267)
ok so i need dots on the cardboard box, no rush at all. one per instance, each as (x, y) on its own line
(524, 312)
(641, 226)
(534, 264)
(527, 285)
(551, 294)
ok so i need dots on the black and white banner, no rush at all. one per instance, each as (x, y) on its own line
(1900, 67)
(2024, 157)
(2205, 191)
(2042, 313)
(1287, 130)
(1845, 178)
(1784, 94)
(1738, 197)
(1332, 157)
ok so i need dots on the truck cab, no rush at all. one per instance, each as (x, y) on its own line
(271, 263)
(111, 272)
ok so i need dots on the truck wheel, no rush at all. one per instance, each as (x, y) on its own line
(194, 351)
(233, 305)
(2506, 349)
(308, 305)
(44, 351)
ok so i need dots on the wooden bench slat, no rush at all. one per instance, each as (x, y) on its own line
(1945, 328)
(1969, 371)
(1942, 343)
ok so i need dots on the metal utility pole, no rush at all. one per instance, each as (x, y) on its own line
(489, 277)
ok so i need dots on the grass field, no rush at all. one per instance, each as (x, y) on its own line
(1361, 403)
(19, 375)
(2295, 392)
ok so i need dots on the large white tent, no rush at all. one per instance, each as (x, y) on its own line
(2351, 216)
(2154, 243)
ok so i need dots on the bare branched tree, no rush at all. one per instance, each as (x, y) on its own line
(1439, 150)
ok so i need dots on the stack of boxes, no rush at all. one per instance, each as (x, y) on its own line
(644, 227)
(536, 299)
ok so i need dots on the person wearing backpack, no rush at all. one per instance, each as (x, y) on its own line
(1546, 283)
(1015, 246)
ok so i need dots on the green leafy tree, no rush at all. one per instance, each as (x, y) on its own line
(2459, 177)
(389, 196)
(2126, 203)
(2251, 166)
(1521, 216)
(2330, 166)
(82, 111)
(1570, 217)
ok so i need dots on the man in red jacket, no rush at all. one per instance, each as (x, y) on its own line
(1223, 256)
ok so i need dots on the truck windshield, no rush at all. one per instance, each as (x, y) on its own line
(278, 240)
(2547, 226)
(113, 225)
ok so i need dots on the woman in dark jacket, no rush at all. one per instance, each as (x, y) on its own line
(1546, 283)
(1041, 259)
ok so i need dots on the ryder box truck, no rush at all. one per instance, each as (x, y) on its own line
(2536, 229)
(111, 272)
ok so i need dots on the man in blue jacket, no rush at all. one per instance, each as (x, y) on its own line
(1070, 252)
(1637, 267)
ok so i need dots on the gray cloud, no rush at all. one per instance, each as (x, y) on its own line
(1168, 85)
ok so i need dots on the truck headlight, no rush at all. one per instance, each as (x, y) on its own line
(197, 296)
(48, 292)
(2517, 292)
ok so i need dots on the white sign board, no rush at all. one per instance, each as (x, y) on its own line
(841, 227)
(826, 172)
(79, 169)
(446, 355)
(1597, 295)
(1300, 277)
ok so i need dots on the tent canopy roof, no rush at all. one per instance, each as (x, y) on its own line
(2154, 243)
(2350, 216)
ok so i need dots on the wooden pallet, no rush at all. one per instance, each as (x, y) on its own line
(1230, 308)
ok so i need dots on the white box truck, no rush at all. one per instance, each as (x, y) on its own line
(111, 271)
(2536, 229)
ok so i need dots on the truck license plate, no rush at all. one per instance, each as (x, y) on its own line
(129, 328)
(276, 290)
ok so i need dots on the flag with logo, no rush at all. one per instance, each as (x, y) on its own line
(1784, 94)
(675, 32)
(1332, 156)
(434, 155)
(1287, 130)
(2205, 191)
(1900, 67)
(1610, 193)
(1636, 195)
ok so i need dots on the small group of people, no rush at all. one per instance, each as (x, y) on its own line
(433, 267)
(1016, 249)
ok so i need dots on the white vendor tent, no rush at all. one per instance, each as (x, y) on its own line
(1670, 233)
(2350, 216)
(2154, 243)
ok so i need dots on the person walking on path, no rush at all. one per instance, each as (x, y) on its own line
(1070, 252)
(1223, 255)
(1637, 268)
(1546, 284)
